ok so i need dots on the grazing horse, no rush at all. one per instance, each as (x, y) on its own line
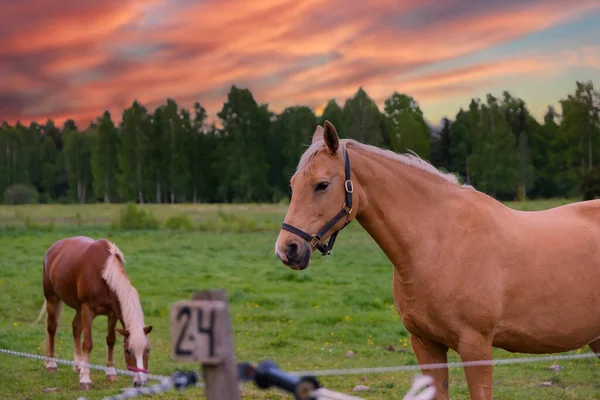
(88, 275)
(469, 273)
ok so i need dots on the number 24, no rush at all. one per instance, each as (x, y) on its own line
(186, 312)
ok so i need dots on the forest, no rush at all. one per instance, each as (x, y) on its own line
(174, 155)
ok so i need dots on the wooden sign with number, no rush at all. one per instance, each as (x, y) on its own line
(197, 331)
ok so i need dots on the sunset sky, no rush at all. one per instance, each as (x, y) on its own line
(74, 59)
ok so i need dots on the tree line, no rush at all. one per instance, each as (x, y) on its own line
(172, 155)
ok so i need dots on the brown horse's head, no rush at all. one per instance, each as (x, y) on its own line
(136, 349)
(323, 200)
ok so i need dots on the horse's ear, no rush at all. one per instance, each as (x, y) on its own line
(123, 332)
(148, 329)
(331, 137)
(318, 135)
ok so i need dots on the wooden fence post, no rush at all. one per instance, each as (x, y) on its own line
(221, 380)
(201, 332)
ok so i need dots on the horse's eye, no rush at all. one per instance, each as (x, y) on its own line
(128, 352)
(321, 186)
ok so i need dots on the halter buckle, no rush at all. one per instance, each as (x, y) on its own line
(314, 241)
(347, 208)
(348, 186)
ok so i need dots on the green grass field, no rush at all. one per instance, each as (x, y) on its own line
(302, 320)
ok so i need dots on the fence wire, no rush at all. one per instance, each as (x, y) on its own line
(79, 364)
(179, 381)
(182, 380)
(419, 367)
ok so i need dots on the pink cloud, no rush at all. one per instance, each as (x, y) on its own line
(71, 58)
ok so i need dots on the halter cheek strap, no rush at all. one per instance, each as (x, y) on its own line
(315, 241)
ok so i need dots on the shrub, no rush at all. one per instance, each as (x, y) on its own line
(589, 185)
(521, 193)
(179, 222)
(284, 200)
(20, 194)
(229, 222)
(133, 217)
(78, 219)
(34, 226)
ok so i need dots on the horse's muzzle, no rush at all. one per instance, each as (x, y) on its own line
(297, 256)
(139, 383)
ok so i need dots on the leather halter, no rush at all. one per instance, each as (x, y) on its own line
(136, 369)
(315, 241)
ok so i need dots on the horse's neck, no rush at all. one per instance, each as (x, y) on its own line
(403, 208)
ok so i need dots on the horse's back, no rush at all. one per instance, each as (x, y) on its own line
(588, 210)
(65, 251)
(72, 264)
(550, 280)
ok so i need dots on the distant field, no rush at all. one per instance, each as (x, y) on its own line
(302, 320)
(203, 216)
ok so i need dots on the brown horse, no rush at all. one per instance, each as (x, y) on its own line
(469, 273)
(88, 275)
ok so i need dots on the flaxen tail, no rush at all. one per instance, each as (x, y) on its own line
(43, 305)
(42, 311)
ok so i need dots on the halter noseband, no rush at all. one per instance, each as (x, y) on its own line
(315, 241)
(136, 369)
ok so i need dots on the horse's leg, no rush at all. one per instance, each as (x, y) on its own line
(595, 346)
(53, 309)
(428, 352)
(111, 374)
(476, 347)
(76, 327)
(85, 383)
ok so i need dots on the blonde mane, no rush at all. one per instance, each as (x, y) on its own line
(412, 159)
(133, 316)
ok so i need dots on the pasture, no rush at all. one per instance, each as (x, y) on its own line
(302, 320)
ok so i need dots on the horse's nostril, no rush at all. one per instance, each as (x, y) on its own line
(292, 250)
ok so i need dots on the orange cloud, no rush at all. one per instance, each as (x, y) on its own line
(70, 58)
(77, 24)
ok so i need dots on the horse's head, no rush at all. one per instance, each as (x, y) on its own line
(136, 349)
(324, 200)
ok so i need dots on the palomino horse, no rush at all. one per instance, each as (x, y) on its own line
(469, 273)
(88, 275)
